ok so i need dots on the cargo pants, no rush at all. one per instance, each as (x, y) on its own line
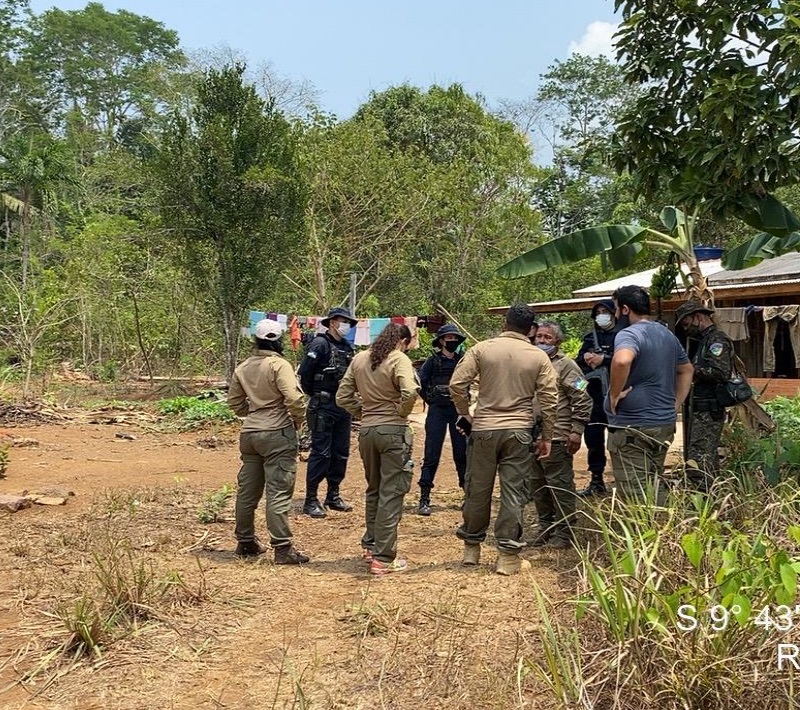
(386, 451)
(269, 466)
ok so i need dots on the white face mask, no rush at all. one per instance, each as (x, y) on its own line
(343, 328)
(603, 320)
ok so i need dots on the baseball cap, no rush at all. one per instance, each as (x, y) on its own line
(268, 329)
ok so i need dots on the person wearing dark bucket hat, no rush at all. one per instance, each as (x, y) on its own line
(434, 377)
(712, 354)
(594, 359)
(327, 359)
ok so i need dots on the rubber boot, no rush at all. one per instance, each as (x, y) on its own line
(507, 563)
(472, 555)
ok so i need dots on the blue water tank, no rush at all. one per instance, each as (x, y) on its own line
(707, 253)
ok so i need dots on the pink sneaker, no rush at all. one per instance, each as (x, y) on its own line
(366, 555)
(380, 568)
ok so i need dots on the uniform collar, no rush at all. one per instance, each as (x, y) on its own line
(516, 336)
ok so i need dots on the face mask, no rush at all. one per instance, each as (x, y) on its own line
(450, 345)
(603, 320)
(546, 349)
(692, 330)
(343, 328)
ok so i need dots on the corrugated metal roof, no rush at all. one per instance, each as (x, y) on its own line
(786, 266)
(643, 278)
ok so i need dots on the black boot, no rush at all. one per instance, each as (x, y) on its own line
(289, 555)
(596, 487)
(334, 502)
(251, 548)
(313, 508)
(424, 502)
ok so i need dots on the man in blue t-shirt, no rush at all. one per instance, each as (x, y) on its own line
(649, 379)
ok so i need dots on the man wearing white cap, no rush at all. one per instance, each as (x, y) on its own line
(264, 391)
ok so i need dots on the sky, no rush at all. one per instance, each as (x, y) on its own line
(348, 48)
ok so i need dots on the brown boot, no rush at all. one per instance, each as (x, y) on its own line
(288, 555)
(472, 555)
(507, 563)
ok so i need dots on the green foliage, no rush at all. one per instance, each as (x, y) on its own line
(231, 190)
(193, 410)
(717, 120)
(108, 67)
(785, 411)
(214, 503)
(672, 603)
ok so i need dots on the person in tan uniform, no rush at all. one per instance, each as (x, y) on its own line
(264, 391)
(514, 374)
(380, 387)
(552, 485)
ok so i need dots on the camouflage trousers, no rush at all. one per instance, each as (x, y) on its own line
(702, 455)
(552, 489)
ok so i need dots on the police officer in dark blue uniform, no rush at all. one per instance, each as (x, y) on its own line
(594, 359)
(323, 366)
(434, 376)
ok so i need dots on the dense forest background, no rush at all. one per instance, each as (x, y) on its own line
(149, 199)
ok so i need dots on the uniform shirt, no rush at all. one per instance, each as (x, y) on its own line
(264, 391)
(713, 363)
(318, 357)
(574, 401)
(385, 395)
(514, 375)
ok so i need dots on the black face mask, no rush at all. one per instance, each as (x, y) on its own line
(451, 345)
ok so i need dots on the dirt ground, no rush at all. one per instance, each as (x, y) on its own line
(213, 631)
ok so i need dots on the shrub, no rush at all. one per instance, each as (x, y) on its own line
(206, 407)
(678, 607)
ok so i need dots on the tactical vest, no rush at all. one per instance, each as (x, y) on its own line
(327, 379)
(438, 391)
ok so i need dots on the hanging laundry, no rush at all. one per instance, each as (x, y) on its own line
(362, 332)
(412, 326)
(398, 320)
(376, 325)
(295, 336)
(789, 314)
(732, 322)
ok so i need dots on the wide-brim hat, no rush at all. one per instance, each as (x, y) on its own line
(339, 313)
(690, 307)
(448, 329)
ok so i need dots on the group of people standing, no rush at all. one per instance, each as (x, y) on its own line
(532, 407)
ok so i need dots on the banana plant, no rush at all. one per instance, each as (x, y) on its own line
(621, 242)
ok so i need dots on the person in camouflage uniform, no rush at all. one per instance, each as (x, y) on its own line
(552, 483)
(712, 354)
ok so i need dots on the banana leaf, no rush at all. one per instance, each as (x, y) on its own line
(619, 241)
(768, 215)
(760, 247)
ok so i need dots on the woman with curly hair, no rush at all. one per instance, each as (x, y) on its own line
(380, 387)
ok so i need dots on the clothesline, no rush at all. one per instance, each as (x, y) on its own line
(365, 332)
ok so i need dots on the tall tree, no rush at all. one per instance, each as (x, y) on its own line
(477, 173)
(232, 191)
(104, 68)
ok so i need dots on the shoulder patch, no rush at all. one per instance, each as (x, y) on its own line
(580, 384)
(312, 354)
(716, 349)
